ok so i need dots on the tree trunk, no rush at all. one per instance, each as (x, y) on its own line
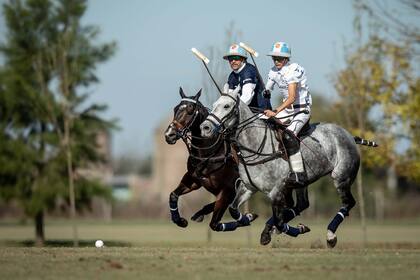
(362, 204)
(71, 182)
(379, 203)
(391, 178)
(39, 229)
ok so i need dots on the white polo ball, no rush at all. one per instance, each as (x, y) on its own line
(99, 243)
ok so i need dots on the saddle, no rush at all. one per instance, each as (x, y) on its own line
(279, 127)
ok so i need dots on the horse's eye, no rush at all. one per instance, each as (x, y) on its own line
(190, 109)
(226, 106)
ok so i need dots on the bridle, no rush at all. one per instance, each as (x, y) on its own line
(220, 123)
(186, 134)
(181, 131)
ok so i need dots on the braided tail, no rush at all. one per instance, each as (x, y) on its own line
(365, 142)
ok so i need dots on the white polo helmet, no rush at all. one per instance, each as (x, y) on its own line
(281, 49)
(235, 49)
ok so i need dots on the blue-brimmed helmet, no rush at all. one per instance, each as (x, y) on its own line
(236, 50)
(281, 49)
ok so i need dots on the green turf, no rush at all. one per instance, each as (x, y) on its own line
(160, 250)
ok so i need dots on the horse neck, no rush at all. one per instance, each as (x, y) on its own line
(252, 135)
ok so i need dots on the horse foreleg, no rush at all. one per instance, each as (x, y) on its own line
(288, 213)
(186, 185)
(292, 211)
(221, 204)
(207, 209)
(242, 195)
(278, 207)
(302, 200)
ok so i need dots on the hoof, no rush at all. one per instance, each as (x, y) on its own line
(303, 228)
(331, 239)
(251, 216)
(182, 223)
(266, 235)
(198, 218)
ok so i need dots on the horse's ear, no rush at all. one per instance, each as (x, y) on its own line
(197, 96)
(181, 92)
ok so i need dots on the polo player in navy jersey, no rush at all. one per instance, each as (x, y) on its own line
(245, 75)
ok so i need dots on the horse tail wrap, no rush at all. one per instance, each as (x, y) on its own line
(365, 142)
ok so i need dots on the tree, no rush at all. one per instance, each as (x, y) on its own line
(49, 60)
(392, 49)
(376, 90)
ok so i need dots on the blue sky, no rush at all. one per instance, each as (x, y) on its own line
(140, 83)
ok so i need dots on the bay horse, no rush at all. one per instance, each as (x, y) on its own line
(210, 164)
(328, 149)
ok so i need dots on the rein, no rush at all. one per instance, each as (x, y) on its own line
(239, 127)
(185, 133)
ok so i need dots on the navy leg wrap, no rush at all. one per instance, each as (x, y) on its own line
(339, 217)
(288, 214)
(289, 230)
(270, 221)
(231, 226)
(243, 220)
(173, 207)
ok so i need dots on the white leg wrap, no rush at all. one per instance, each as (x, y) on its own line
(296, 162)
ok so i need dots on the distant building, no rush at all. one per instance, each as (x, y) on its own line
(169, 166)
(130, 187)
(169, 161)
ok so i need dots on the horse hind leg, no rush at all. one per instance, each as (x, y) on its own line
(347, 203)
(207, 209)
(289, 213)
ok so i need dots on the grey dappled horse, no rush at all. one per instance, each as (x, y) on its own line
(329, 149)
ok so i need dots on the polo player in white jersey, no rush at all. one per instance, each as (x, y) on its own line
(292, 82)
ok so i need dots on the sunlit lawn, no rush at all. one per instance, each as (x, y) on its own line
(160, 250)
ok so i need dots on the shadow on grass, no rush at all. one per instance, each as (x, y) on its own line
(61, 243)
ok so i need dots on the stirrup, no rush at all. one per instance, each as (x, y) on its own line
(297, 179)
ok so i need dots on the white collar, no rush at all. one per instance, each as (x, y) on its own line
(283, 67)
(240, 69)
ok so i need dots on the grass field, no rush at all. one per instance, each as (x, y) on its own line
(160, 250)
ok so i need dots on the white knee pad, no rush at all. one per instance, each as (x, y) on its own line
(296, 162)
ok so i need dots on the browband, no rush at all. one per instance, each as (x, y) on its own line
(189, 100)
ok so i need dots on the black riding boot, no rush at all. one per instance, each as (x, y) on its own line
(297, 177)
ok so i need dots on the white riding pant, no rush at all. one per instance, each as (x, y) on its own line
(296, 121)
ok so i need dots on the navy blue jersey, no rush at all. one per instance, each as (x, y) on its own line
(249, 75)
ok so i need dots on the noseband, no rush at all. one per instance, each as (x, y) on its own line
(219, 123)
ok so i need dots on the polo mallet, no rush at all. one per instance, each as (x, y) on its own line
(205, 61)
(253, 53)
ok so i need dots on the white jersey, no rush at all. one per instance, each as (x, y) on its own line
(288, 74)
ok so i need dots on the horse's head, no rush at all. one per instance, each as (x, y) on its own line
(224, 116)
(186, 117)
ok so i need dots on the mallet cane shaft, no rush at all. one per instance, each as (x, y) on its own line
(253, 53)
(205, 61)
